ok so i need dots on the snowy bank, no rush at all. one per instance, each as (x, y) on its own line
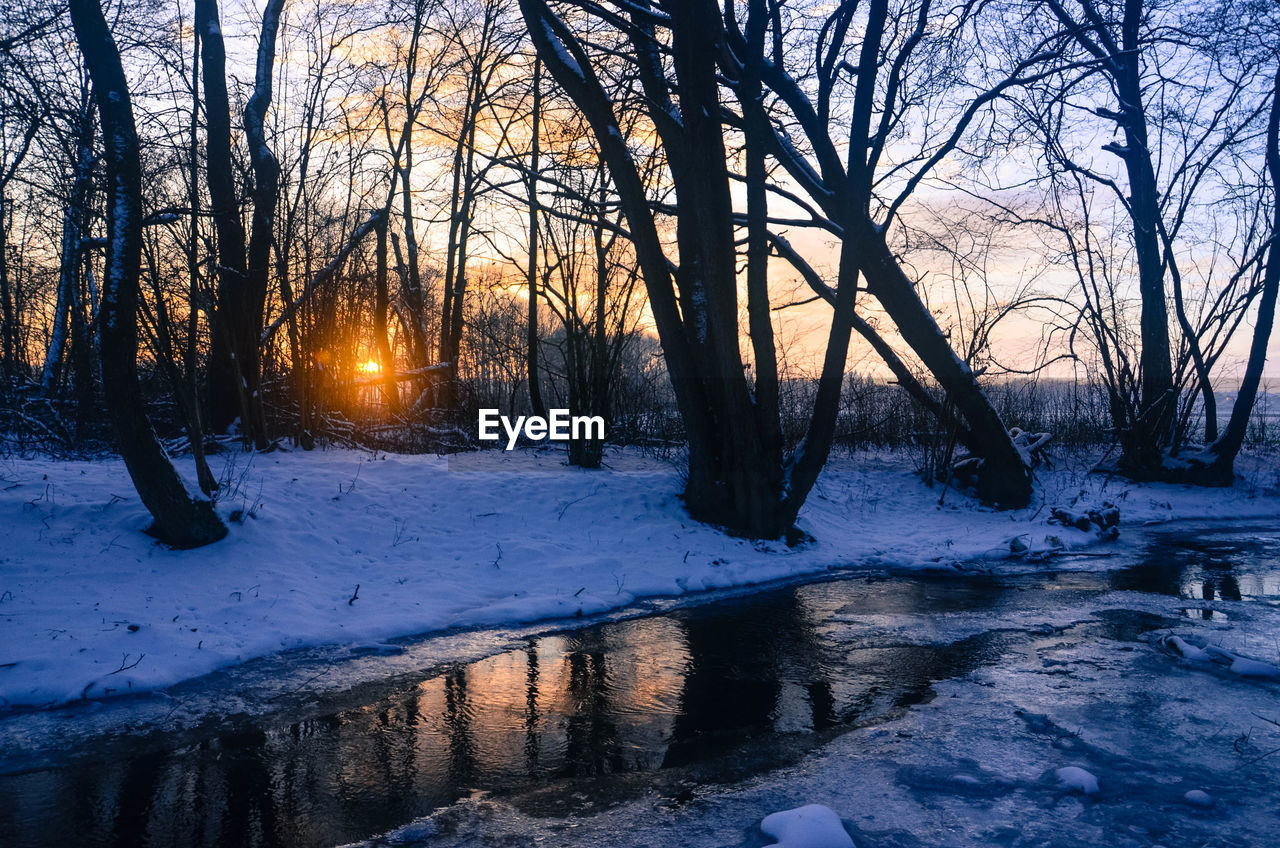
(345, 547)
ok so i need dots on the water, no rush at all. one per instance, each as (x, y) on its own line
(578, 722)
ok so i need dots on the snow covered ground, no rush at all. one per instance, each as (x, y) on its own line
(352, 548)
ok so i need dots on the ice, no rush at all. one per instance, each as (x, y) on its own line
(1077, 780)
(810, 826)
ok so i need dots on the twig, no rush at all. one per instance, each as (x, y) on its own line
(124, 660)
(354, 595)
(312, 679)
(566, 506)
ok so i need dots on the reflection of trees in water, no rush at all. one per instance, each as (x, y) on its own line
(591, 734)
(1161, 571)
(135, 799)
(739, 659)
(250, 803)
(457, 721)
(1220, 586)
(618, 697)
(531, 715)
(1204, 570)
(372, 756)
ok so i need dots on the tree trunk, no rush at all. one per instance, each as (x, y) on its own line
(455, 280)
(266, 196)
(195, 418)
(730, 481)
(73, 222)
(181, 520)
(1004, 479)
(386, 363)
(531, 336)
(413, 274)
(8, 316)
(1224, 451)
(1151, 435)
(226, 378)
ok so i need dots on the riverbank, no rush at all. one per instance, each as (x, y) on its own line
(352, 548)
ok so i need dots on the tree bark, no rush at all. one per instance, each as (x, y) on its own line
(226, 378)
(266, 196)
(73, 223)
(181, 519)
(531, 333)
(386, 362)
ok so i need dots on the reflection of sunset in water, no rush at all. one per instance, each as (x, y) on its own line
(650, 695)
(573, 721)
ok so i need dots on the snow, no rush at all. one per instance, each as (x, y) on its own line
(91, 607)
(810, 826)
(1233, 662)
(1077, 779)
(1199, 797)
(1186, 649)
(1246, 667)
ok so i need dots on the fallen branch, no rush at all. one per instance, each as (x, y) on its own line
(324, 274)
(401, 376)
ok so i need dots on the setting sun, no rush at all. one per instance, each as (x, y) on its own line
(369, 367)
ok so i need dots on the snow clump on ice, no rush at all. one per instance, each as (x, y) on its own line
(810, 826)
(1236, 664)
(1077, 780)
(1199, 797)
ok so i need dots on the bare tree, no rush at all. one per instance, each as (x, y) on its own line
(484, 43)
(875, 133)
(1221, 454)
(1178, 100)
(737, 476)
(181, 519)
(235, 360)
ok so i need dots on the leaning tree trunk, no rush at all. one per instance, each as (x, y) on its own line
(1004, 478)
(1224, 451)
(181, 519)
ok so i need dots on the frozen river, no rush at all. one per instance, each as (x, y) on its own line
(924, 708)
